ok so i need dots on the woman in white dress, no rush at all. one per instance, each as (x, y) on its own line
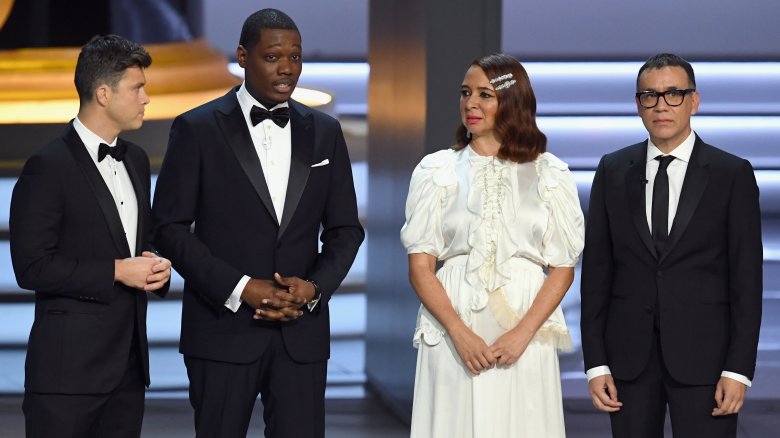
(504, 218)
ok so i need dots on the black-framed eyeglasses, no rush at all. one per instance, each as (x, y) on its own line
(649, 99)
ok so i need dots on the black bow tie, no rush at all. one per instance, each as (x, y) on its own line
(280, 116)
(117, 152)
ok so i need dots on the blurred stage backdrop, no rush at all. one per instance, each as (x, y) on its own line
(582, 58)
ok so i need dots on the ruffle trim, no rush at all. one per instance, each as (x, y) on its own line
(554, 335)
(432, 183)
(487, 266)
(441, 165)
(550, 170)
(550, 332)
(504, 314)
(428, 334)
(558, 190)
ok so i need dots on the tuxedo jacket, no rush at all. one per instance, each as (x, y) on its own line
(705, 287)
(65, 235)
(215, 220)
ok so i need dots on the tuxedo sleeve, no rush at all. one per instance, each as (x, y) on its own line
(141, 161)
(596, 274)
(342, 233)
(745, 273)
(36, 220)
(173, 213)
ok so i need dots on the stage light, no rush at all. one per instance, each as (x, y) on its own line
(36, 85)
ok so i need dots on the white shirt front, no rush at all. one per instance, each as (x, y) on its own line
(117, 180)
(274, 149)
(676, 172)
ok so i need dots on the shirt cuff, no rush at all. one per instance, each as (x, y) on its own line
(234, 300)
(738, 377)
(597, 371)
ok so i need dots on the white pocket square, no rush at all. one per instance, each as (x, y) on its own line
(324, 162)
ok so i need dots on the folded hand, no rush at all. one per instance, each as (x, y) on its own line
(271, 300)
(472, 349)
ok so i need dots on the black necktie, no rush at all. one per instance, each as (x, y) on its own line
(280, 116)
(117, 152)
(660, 212)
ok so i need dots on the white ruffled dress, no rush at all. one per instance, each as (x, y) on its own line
(496, 225)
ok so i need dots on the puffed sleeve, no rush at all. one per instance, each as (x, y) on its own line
(565, 235)
(431, 181)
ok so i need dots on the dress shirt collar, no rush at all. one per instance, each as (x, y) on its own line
(90, 139)
(247, 101)
(681, 152)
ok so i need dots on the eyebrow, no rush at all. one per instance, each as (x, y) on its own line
(673, 87)
(275, 45)
(478, 88)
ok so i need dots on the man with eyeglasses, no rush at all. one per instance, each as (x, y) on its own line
(672, 271)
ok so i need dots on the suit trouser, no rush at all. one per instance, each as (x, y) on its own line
(223, 394)
(118, 414)
(646, 397)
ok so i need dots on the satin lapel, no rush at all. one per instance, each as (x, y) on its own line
(302, 143)
(233, 126)
(99, 189)
(696, 177)
(636, 179)
(140, 195)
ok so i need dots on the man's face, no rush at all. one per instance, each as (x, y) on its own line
(667, 125)
(127, 100)
(273, 65)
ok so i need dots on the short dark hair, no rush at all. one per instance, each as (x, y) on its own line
(268, 18)
(103, 60)
(515, 126)
(667, 60)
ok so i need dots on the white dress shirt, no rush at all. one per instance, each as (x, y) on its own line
(117, 180)
(676, 172)
(274, 149)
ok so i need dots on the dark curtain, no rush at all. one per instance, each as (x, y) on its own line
(71, 23)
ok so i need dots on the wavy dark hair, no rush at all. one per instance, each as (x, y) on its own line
(103, 60)
(515, 126)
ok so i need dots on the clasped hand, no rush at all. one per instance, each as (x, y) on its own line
(149, 272)
(477, 356)
(279, 299)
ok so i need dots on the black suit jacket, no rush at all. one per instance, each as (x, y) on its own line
(706, 286)
(65, 235)
(211, 177)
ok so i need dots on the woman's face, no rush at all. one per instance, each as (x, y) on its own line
(478, 103)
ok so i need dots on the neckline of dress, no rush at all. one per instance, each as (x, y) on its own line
(474, 154)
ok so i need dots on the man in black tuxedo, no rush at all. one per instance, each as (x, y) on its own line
(249, 182)
(80, 238)
(672, 271)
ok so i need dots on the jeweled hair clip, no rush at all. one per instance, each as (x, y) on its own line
(506, 84)
(501, 78)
